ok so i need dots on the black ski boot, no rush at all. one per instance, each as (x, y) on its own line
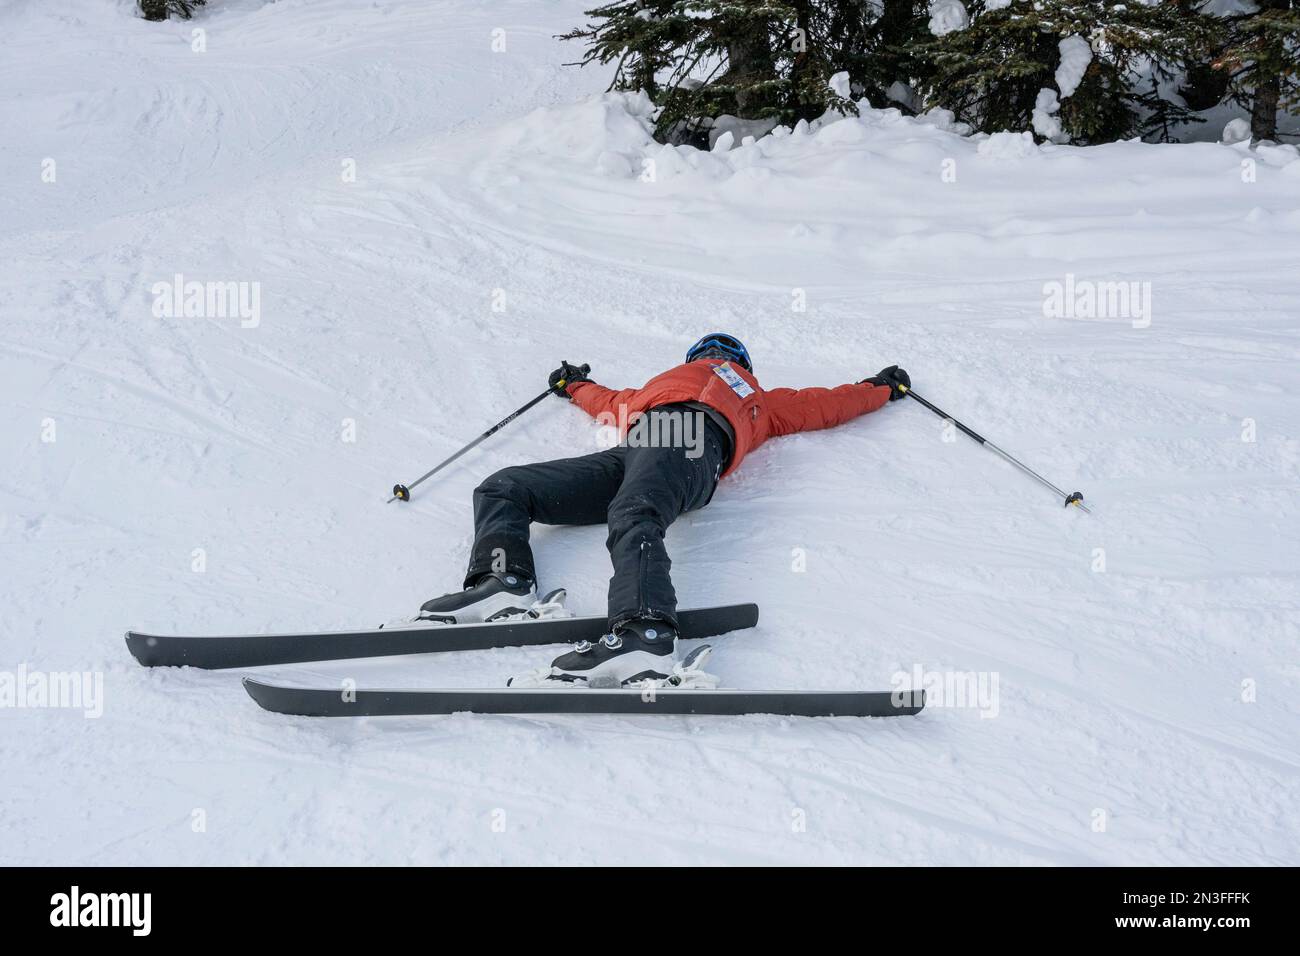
(635, 651)
(494, 596)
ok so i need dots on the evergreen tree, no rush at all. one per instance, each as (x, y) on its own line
(162, 9)
(991, 73)
(771, 59)
(1160, 116)
(873, 41)
(696, 59)
(1261, 57)
(1203, 85)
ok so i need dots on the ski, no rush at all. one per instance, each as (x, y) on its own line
(335, 702)
(253, 650)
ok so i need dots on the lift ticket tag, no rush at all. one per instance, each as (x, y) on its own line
(738, 384)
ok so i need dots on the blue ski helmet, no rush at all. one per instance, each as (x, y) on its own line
(720, 345)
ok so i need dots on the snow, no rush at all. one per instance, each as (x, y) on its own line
(841, 85)
(207, 475)
(1076, 55)
(948, 16)
(900, 92)
(1236, 131)
(1044, 118)
(1007, 146)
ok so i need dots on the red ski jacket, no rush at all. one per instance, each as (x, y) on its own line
(755, 414)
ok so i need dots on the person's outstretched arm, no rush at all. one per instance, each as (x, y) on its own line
(808, 409)
(597, 400)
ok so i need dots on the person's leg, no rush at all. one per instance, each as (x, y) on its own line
(660, 482)
(572, 491)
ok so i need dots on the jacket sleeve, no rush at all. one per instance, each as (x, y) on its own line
(597, 400)
(807, 409)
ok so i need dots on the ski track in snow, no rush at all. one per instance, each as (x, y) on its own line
(1120, 691)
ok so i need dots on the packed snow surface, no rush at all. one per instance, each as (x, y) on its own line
(436, 211)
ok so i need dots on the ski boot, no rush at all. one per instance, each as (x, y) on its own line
(515, 607)
(498, 596)
(495, 596)
(685, 674)
(635, 651)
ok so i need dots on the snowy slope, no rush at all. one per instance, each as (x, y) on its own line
(486, 177)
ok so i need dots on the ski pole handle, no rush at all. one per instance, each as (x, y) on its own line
(584, 368)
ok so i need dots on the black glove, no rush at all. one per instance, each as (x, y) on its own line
(566, 375)
(893, 377)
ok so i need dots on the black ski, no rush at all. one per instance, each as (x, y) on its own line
(334, 702)
(252, 650)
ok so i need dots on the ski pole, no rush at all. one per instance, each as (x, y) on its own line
(403, 492)
(1075, 499)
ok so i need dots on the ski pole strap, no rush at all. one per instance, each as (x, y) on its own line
(1075, 498)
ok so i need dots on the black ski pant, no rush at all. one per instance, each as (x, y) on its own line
(638, 488)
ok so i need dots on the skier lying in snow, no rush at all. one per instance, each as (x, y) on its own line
(639, 488)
